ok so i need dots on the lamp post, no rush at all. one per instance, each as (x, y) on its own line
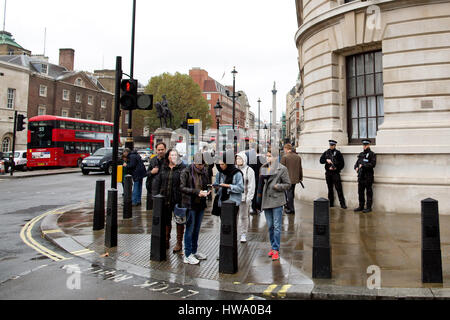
(270, 126)
(218, 110)
(259, 118)
(234, 96)
(265, 136)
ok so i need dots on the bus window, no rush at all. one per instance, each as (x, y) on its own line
(62, 124)
(95, 127)
(41, 134)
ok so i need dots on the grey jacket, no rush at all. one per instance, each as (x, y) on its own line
(272, 198)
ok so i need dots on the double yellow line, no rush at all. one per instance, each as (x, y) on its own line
(25, 234)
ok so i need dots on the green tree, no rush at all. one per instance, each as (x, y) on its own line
(183, 95)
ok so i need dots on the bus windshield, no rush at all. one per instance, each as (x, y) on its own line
(41, 134)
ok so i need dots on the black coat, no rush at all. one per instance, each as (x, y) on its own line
(135, 166)
(189, 193)
(368, 159)
(154, 162)
(160, 183)
(336, 157)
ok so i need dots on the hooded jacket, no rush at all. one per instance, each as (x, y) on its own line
(135, 166)
(249, 179)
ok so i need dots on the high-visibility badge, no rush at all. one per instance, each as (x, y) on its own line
(119, 173)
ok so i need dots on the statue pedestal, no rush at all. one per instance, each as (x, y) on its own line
(164, 135)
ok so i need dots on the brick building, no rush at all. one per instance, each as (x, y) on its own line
(212, 91)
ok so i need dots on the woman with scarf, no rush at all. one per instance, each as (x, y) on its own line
(167, 183)
(273, 182)
(247, 195)
(229, 180)
(194, 185)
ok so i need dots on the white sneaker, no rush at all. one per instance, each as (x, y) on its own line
(191, 260)
(243, 238)
(200, 256)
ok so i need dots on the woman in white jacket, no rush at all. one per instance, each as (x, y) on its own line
(247, 196)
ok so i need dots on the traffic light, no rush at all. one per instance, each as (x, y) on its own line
(128, 99)
(20, 122)
(144, 101)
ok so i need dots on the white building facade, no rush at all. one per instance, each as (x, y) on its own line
(379, 70)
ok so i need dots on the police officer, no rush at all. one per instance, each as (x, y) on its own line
(334, 163)
(364, 167)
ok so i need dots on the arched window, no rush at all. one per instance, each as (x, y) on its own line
(79, 82)
(6, 144)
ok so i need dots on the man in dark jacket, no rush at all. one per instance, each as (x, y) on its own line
(364, 166)
(254, 162)
(334, 163)
(154, 166)
(293, 163)
(136, 168)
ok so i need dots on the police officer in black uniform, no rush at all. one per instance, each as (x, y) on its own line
(364, 167)
(334, 163)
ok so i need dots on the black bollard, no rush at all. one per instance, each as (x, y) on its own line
(158, 240)
(149, 201)
(127, 200)
(321, 244)
(228, 252)
(431, 242)
(99, 208)
(111, 220)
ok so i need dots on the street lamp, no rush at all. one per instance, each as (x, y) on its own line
(265, 136)
(218, 110)
(234, 96)
(259, 118)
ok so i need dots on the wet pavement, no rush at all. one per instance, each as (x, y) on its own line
(387, 240)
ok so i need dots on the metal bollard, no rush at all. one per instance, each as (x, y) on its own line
(158, 240)
(431, 242)
(228, 252)
(127, 200)
(99, 208)
(149, 201)
(111, 220)
(321, 244)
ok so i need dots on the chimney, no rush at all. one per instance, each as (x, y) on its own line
(66, 58)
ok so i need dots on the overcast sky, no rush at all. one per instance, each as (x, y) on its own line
(256, 36)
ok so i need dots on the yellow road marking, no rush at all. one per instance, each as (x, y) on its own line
(269, 289)
(51, 231)
(81, 252)
(251, 298)
(26, 237)
(283, 290)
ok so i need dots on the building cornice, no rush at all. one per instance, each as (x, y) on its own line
(332, 16)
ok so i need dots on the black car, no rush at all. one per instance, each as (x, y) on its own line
(4, 156)
(101, 160)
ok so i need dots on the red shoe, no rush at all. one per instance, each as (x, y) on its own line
(270, 253)
(275, 255)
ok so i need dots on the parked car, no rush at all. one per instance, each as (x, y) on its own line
(20, 160)
(5, 158)
(101, 160)
(145, 155)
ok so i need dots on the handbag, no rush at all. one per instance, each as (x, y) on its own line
(179, 214)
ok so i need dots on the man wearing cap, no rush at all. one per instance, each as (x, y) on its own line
(334, 163)
(364, 167)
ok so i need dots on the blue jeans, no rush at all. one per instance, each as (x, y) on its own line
(137, 192)
(193, 223)
(274, 220)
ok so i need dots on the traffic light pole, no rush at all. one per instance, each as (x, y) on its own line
(129, 143)
(13, 164)
(116, 123)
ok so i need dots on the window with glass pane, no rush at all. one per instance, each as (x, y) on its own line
(10, 98)
(365, 102)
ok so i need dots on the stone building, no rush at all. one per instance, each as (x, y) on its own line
(14, 83)
(380, 70)
(8, 46)
(294, 113)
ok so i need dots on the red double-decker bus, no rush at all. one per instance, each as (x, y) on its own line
(63, 142)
